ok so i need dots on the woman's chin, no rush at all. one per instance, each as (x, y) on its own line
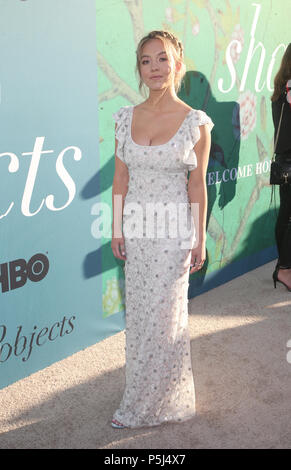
(157, 86)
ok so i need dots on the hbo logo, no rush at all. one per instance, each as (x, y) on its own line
(15, 273)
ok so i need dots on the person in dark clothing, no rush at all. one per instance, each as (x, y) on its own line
(282, 94)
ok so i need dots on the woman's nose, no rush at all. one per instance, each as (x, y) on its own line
(155, 65)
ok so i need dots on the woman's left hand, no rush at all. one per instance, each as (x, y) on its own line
(198, 256)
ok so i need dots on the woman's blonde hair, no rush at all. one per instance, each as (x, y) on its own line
(171, 44)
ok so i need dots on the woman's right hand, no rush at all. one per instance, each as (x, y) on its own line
(118, 247)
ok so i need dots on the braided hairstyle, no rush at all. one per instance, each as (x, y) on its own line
(171, 44)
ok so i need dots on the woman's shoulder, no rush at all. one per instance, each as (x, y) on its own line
(281, 97)
(199, 117)
(122, 113)
(123, 110)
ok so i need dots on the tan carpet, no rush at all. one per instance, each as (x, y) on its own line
(239, 333)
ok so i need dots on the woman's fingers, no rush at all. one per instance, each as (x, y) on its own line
(122, 251)
(118, 249)
(196, 263)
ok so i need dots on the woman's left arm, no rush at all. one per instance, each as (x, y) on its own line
(197, 192)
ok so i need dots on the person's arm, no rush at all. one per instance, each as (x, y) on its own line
(197, 193)
(119, 191)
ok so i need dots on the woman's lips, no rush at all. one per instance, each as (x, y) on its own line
(156, 77)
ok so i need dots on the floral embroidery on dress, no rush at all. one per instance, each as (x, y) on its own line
(159, 379)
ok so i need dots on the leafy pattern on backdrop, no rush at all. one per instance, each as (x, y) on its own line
(187, 19)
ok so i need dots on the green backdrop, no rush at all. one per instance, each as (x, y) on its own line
(232, 52)
(64, 72)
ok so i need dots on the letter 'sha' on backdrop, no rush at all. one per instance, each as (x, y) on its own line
(64, 69)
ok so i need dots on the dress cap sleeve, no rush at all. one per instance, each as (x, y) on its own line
(121, 119)
(197, 118)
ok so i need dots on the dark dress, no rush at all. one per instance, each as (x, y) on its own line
(283, 153)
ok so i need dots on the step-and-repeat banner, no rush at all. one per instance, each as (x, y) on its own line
(65, 67)
(50, 182)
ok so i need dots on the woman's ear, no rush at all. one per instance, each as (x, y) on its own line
(178, 66)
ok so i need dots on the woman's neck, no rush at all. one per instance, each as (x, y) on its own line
(161, 99)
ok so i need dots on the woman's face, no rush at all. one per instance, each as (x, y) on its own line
(157, 69)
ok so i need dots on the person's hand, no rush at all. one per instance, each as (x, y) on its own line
(118, 247)
(198, 256)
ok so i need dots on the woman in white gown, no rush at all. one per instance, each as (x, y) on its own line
(157, 143)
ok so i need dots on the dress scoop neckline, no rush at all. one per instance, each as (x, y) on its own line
(159, 145)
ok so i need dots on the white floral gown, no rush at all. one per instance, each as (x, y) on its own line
(159, 379)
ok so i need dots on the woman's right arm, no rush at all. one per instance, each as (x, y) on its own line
(119, 191)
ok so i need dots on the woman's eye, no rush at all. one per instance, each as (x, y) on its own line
(146, 61)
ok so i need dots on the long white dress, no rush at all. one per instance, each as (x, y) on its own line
(159, 378)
